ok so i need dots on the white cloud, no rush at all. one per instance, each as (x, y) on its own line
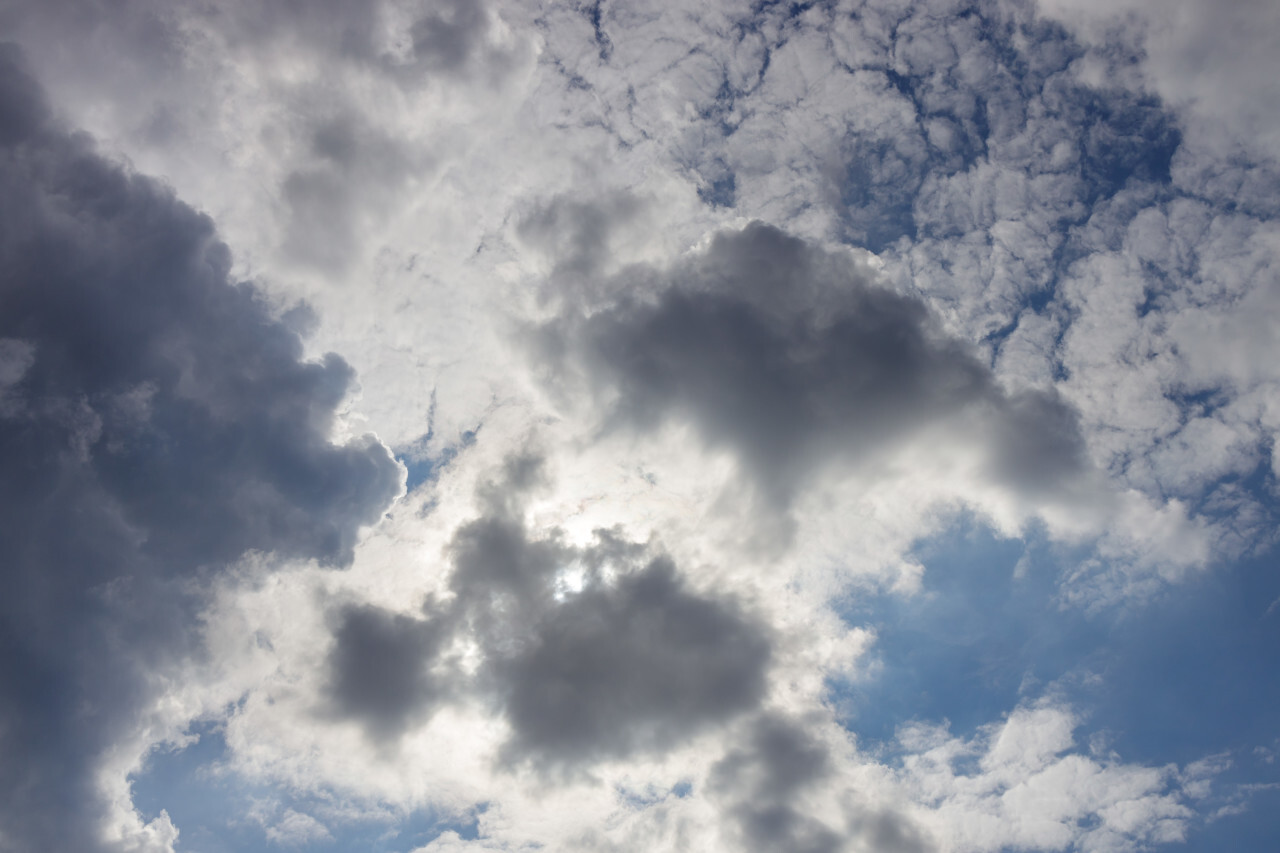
(294, 829)
(1021, 783)
(1209, 59)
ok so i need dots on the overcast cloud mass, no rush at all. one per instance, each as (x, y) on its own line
(433, 427)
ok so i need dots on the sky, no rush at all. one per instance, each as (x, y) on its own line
(445, 426)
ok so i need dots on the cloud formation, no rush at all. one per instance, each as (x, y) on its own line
(779, 761)
(158, 422)
(798, 361)
(380, 668)
(589, 653)
(640, 666)
(901, 378)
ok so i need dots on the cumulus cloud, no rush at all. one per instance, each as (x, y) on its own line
(1208, 59)
(799, 361)
(641, 666)
(589, 653)
(779, 760)
(380, 668)
(158, 422)
(1020, 783)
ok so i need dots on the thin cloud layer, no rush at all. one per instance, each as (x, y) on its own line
(157, 423)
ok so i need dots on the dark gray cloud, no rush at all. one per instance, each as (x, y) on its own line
(381, 669)
(626, 659)
(762, 778)
(345, 175)
(779, 758)
(888, 832)
(790, 357)
(502, 578)
(156, 423)
(442, 39)
(631, 660)
(642, 664)
(408, 44)
(353, 175)
(446, 37)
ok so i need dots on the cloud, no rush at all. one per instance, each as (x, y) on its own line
(773, 778)
(1020, 783)
(1064, 336)
(1208, 60)
(295, 829)
(798, 361)
(589, 653)
(157, 423)
(380, 668)
(779, 760)
(445, 38)
(639, 666)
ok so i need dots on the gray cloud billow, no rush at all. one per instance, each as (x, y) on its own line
(156, 422)
(761, 783)
(637, 666)
(634, 661)
(792, 358)
(380, 669)
(762, 778)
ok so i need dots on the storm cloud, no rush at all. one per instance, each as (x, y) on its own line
(597, 651)
(764, 782)
(157, 422)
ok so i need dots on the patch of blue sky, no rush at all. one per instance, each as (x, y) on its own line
(1195, 672)
(965, 648)
(420, 469)
(646, 798)
(1188, 675)
(720, 191)
(881, 181)
(217, 811)
(422, 463)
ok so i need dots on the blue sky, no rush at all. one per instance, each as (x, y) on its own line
(477, 425)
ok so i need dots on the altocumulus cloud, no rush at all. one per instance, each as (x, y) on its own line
(157, 423)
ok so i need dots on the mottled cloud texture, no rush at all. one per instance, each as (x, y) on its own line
(443, 427)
